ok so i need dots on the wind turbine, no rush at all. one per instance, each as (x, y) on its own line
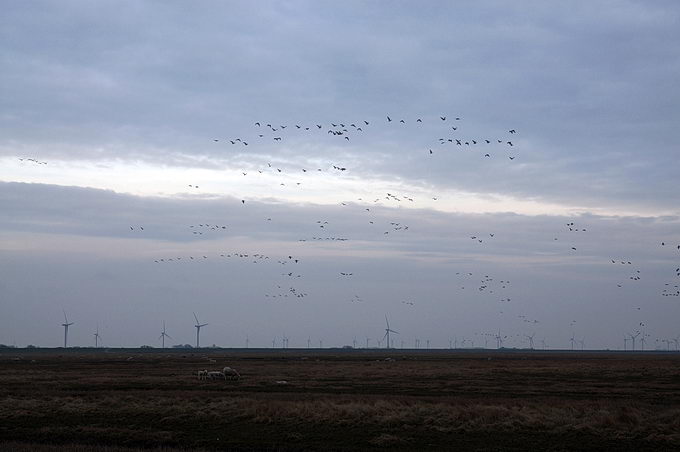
(572, 340)
(583, 343)
(367, 339)
(309, 342)
(674, 341)
(388, 330)
(633, 337)
(642, 340)
(198, 331)
(164, 335)
(531, 340)
(96, 337)
(354, 342)
(499, 339)
(247, 341)
(66, 324)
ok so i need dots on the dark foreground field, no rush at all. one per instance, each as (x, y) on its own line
(345, 400)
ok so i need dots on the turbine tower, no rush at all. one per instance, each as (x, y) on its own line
(633, 337)
(198, 330)
(388, 330)
(642, 340)
(499, 339)
(531, 340)
(96, 337)
(164, 335)
(66, 324)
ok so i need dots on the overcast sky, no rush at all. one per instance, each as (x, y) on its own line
(518, 120)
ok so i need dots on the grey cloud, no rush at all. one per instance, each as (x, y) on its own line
(591, 88)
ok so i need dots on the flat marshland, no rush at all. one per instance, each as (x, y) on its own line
(111, 400)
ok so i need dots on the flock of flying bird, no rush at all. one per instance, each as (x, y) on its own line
(273, 134)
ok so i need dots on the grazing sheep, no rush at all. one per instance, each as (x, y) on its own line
(202, 374)
(231, 373)
(216, 375)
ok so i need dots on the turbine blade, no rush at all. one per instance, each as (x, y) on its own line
(196, 318)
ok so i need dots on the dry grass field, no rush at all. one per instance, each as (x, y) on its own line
(127, 400)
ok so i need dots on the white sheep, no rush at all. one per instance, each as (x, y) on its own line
(231, 373)
(216, 375)
(202, 374)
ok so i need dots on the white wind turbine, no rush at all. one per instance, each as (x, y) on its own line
(164, 335)
(96, 337)
(531, 340)
(643, 340)
(66, 324)
(633, 337)
(388, 330)
(198, 330)
(499, 339)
